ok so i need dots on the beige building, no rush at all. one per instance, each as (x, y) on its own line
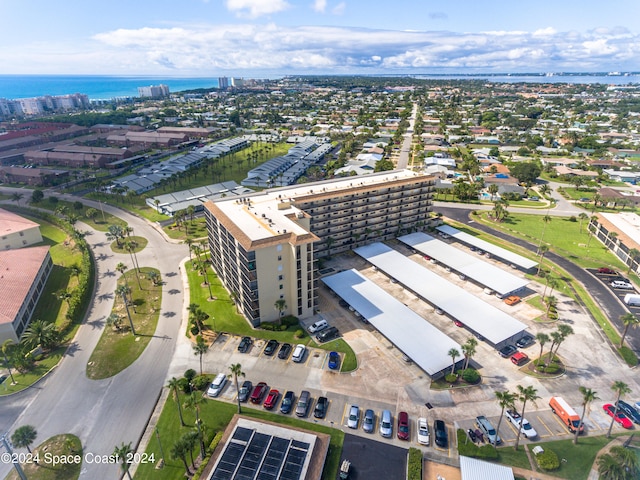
(264, 245)
(620, 233)
(17, 232)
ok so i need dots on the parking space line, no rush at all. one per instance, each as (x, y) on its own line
(344, 414)
(545, 426)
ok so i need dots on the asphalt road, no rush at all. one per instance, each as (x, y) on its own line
(604, 297)
(105, 413)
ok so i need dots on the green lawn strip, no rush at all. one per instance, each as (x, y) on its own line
(41, 367)
(508, 456)
(536, 301)
(140, 243)
(579, 458)
(575, 194)
(193, 229)
(117, 350)
(99, 223)
(223, 317)
(54, 448)
(215, 416)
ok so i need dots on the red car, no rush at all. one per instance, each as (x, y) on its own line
(620, 417)
(403, 426)
(272, 399)
(607, 271)
(458, 323)
(258, 392)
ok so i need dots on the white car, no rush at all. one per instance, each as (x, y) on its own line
(354, 417)
(298, 353)
(522, 423)
(423, 431)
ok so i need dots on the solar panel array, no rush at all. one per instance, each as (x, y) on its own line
(251, 455)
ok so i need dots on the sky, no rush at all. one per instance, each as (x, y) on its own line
(262, 38)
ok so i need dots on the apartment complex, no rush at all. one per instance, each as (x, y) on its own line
(620, 233)
(264, 245)
(17, 231)
(154, 91)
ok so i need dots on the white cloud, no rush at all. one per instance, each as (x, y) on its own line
(256, 8)
(320, 5)
(339, 8)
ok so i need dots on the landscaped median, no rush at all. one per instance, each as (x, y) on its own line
(118, 347)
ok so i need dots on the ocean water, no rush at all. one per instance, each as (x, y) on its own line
(95, 87)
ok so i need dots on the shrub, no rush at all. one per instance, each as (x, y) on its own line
(470, 375)
(194, 330)
(414, 464)
(190, 374)
(451, 378)
(283, 328)
(548, 460)
(573, 218)
(290, 321)
(469, 449)
(201, 382)
(299, 333)
(267, 326)
(627, 354)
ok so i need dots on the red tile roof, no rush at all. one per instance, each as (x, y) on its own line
(18, 269)
(12, 223)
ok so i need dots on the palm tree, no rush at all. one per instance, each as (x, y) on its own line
(40, 333)
(542, 338)
(124, 291)
(628, 320)
(613, 237)
(114, 320)
(525, 394)
(123, 453)
(552, 302)
(619, 463)
(5, 348)
(188, 242)
(200, 348)
(492, 189)
(190, 440)
(588, 396)
(280, 305)
(179, 450)
(153, 276)
(621, 389)
(582, 216)
(24, 437)
(506, 400)
(121, 267)
(469, 350)
(16, 197)
(193, 402)
(236, 371)
(114, 232)
(542, 249)
(453, 353)
(546, 219)
(174, 384)
(555, 338)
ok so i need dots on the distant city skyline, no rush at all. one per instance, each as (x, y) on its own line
(264, 38)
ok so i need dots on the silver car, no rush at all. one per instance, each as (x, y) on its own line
(386, 424)
(354, 417)
(303, 404)
(368, 421)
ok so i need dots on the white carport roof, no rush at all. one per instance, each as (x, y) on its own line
(485, 319)
(474, 469)
(494, 250)
(418, 339)
(472, 266)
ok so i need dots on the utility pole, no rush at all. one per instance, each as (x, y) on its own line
(161, 462)
(14, 458)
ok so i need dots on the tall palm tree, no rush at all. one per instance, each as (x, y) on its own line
(506, 400)
(619, 463)
(621, 389)
(564, 330)
(121, 267)
(190, 440)
(193, 402)
(200, 348)
(124, 291)
(236, 371)
(542, 249)
(551, 302)
(525, 394)
(24, 436)
(174, 384)
(16, 197)
(5, 348)
(179, 451)
(588, 396)
(612, 237)
(633, 255)
(453, 353)
(280, 305)
(469, 350)
(123, 453)
(582, 216)
(628, 320)
(555, 338)
(546, 219)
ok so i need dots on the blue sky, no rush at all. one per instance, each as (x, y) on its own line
(275, 37)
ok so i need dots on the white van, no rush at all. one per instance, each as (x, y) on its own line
(631, 299)
(317, 326)
(217, 385)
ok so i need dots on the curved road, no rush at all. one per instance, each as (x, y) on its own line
(607, 301)
(105, 413)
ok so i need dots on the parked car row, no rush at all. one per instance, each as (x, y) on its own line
(262, 394)
(273, 346)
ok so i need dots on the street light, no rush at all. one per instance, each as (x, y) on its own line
(14, 458)
(161, 462)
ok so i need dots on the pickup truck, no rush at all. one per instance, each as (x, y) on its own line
(522, 423)
(488, 430)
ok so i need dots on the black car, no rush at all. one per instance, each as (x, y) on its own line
(472, 435)
(342, 303)
(287, 402)
(284, 352)
(327, 334)
(271, 347)
(245, 391)
(525, 341)
(506, 352)
(321, 407)
(629, 411)
(245, 344)
(440, 429)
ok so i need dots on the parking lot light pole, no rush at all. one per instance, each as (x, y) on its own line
(14, 459)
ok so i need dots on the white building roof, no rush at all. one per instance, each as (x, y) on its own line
(503, 283)
(485, 319)
(474, 469)
(627, 222)
(496, 251)
(418, 339)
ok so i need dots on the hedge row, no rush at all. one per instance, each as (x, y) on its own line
(212, 446)
(414, 464)
(469, 449)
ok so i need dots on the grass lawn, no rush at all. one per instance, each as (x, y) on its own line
(117, 350)
(140, 243)
(508, 456)
(192, 229)
(579, 458)
(536, 301)
(66, 445)
(101, 222)
(25, 380)
(223, 317)
(215, 416)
